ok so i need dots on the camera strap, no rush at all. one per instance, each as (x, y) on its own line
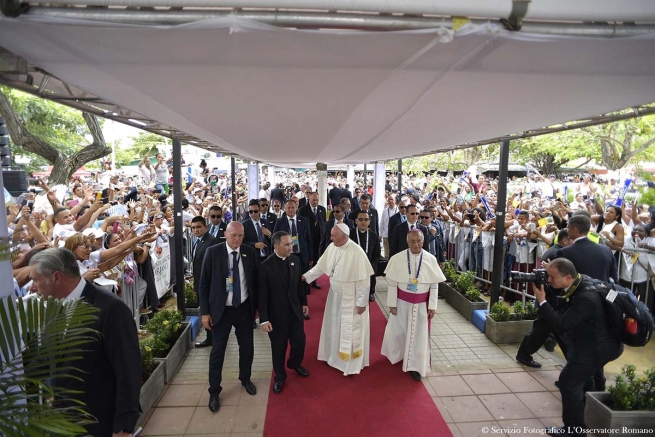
(573, 287)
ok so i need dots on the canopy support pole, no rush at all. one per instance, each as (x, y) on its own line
(499, 242)
(253, 180)
(233, 170)
(378, 186)
(400, 178)
(178, 242)
(321, 173)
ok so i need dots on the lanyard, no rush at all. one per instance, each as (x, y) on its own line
(418, 269)
(360, 244)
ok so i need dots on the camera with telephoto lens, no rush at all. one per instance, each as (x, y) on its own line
(538, 276)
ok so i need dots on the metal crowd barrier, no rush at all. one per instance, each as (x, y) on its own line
(472, 250)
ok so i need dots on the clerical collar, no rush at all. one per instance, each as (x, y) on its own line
(281, 257)
(363, 232)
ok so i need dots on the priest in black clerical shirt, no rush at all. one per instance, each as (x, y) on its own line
(370, 242)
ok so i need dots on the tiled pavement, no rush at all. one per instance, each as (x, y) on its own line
(474, 383)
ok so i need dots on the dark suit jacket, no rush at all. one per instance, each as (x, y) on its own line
(585, 324)
(374, 251)
(110, 383)
(326, 238)
(270, 218)
(302, 202)
(212, 294)
(277, 194)
(334, 195)
(250, 235)
(219, 233)
(304, 237)
(398, 240)
(205, 242)
(316, 222)
(591, 259)
(374, 224)
(394, 221)
(276, 295)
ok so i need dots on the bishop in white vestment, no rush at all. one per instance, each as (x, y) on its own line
(345, 333)
(413, 276)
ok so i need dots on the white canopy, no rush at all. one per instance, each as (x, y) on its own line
(296, 97)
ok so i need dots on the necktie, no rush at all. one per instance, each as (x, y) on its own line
(236, 285)
(260, 237)
(211, 230)
(433, 249)
(411, 227)
(294, 233)
(314, 209)
(403, 218)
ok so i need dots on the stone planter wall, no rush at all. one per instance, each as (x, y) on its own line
(152, 389)
(511, 331)
(458, 301)
(599, 416)
(175, 356)
(192, 311)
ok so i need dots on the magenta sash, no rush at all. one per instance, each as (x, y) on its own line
(412, 297)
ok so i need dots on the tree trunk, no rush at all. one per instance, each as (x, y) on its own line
(63, 166)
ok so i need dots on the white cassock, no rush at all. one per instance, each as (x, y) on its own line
(345, 335)
(407, 335)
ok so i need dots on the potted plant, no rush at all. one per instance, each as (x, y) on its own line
(169, 339)
(36, 335)
(460, 293)
(190, 299)
(628, 405)
(503, 326)
(153, 378)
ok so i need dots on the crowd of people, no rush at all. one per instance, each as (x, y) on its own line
(113, 225)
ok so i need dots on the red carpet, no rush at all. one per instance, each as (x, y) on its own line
(380, 401)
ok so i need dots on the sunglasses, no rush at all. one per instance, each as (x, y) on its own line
(425, 217)
(412, 213)
(264, 204)
(215, 216)
(276, 206)
(253, 211)
(362, 219)
(336, 211)
(402, 207)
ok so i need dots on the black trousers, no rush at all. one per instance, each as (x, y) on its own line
(373, 282)
(574, 381)
(536, 338)
(291, 333)
(241, 318)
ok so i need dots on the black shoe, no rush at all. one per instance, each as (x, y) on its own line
(207, 342)
(316, 286)
(213, 402)
(528, 362)
(250, 387)
(371, 298)
(557, 384)
(277, 387)
(415, 375)
(306, 316)
(550, 345)
(300, 370)
(309, 291)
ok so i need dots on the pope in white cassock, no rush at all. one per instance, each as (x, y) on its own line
(345, 333)
(413, 276)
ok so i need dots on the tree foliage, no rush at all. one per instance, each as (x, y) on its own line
(57, 134)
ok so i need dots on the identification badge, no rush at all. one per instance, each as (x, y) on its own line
(611, 295)
(414, 281)
(412, 287)
(229, 284)
(295, 240)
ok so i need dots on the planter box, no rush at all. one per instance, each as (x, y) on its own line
(192, 311)
(151, 390)
(175, 356)
(511, 331)
(599, 416)
(458, 301)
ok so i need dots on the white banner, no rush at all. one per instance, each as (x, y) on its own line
(161, 266)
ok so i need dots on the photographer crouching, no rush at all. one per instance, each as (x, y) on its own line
(591, 345)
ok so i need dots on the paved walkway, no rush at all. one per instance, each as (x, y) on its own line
(474, 383)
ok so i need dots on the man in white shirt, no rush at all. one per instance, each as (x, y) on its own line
(387, 213)
(265, 192)
(147, 172)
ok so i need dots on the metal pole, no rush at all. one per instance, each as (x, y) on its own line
(234, 188)
(499, 246)
(400, 177)
(179, 226)
(364, 189)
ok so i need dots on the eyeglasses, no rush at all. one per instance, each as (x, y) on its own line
(159, 217)
(402, 207)
(253, 211)
(425, 217)
(412, 213)
(215, 216)
(363, 219)
(84, 246)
